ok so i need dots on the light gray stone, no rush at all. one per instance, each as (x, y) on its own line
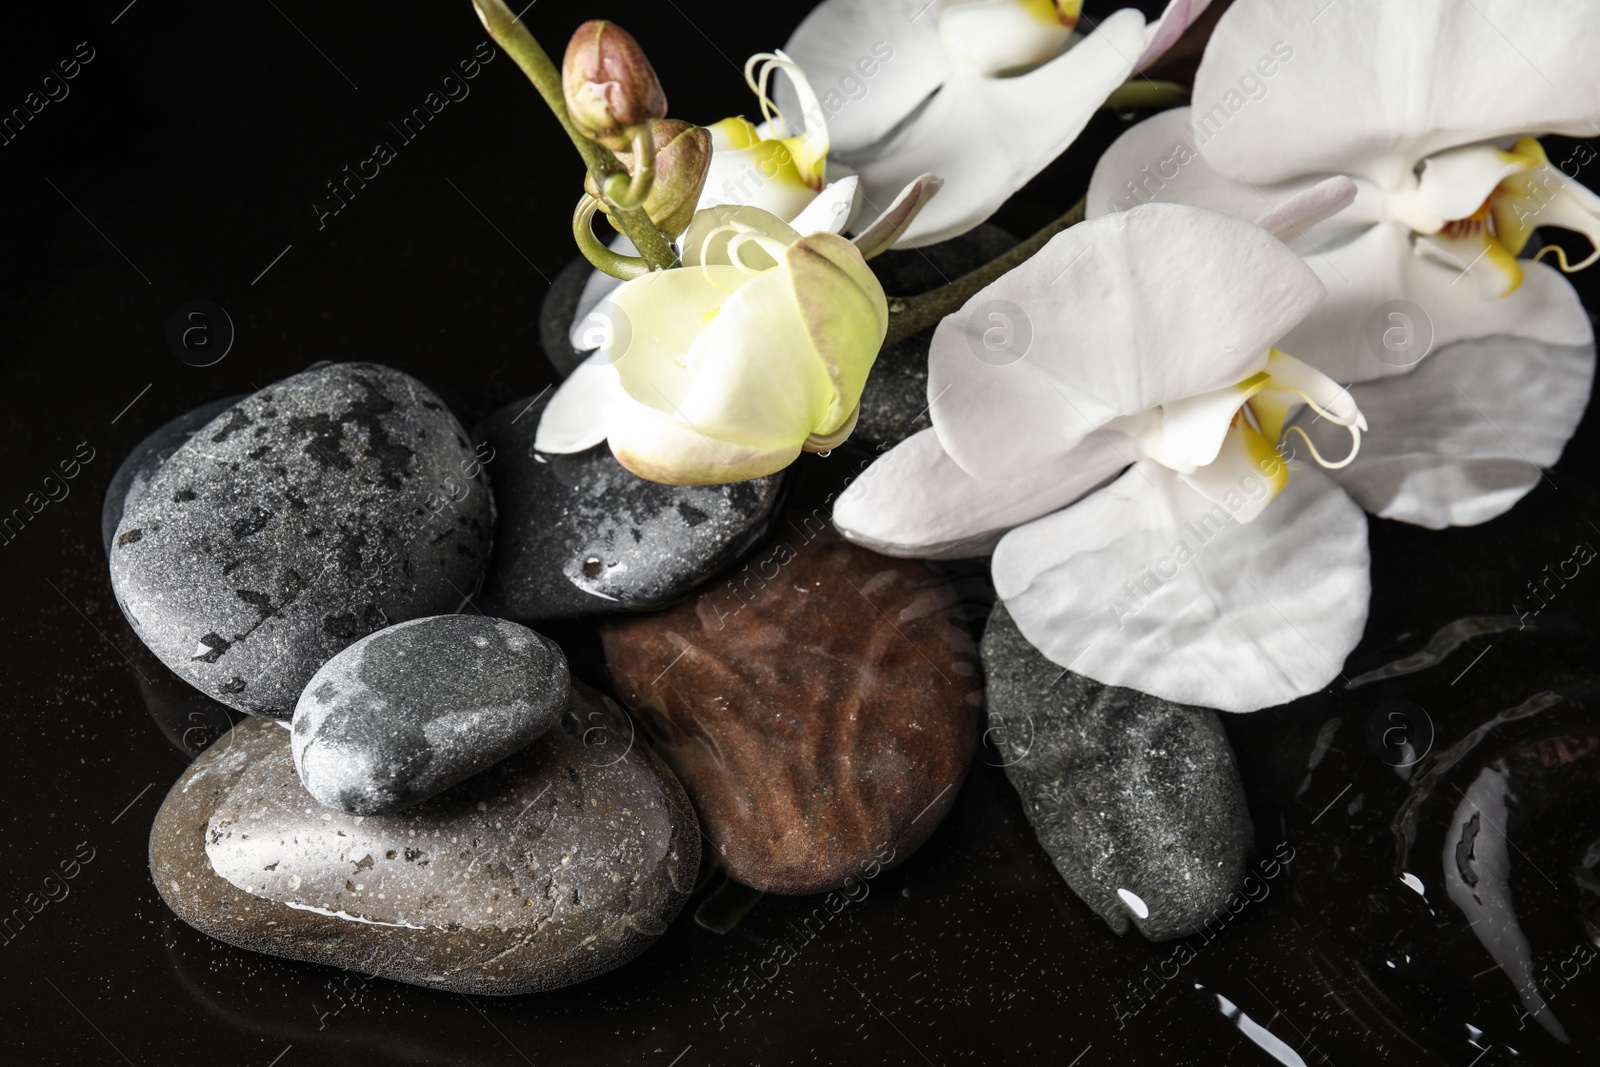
(407, 712)
(324, 507)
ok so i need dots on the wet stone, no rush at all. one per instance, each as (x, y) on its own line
(316, 511)
(407, 712)
(580, 535)
(555, 865)
(820, 707)
(1137, 800)
(147, 455)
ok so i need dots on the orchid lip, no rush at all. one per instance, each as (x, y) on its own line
(1215, 438)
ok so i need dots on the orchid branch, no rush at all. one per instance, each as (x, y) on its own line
(509, 32)
(911, 315)
(1146, 94)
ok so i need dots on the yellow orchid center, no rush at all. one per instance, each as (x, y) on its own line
(1007, 37)
(799, 154)
(1532, 194)
(1231, 444)
(1054, 12)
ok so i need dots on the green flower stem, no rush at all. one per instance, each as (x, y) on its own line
(911, 315)
(626, 268)
(509, 32)
(1144, 93)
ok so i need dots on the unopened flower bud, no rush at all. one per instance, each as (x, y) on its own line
(683, 159)
(609, 83)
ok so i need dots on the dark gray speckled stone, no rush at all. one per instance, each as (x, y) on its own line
(407, 712)
(580, 535)
(555, 865)
(147, 455)
(311, 513)
(1125, 791)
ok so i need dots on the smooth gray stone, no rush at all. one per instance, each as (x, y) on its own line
(555, 865)
(581, 535)
(407, 712)
(324, 507)
(1125, 791)
(147, 455)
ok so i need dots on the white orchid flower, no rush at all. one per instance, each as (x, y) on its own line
(1111, 412)
(780, 167)
(984, 93)
(726, 368)
(1426, 105)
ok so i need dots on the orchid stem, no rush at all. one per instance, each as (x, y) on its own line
(1146, 94)
(509, 32)
(615, 264)
(911, 315)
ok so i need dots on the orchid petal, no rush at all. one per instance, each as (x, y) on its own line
(1245, 476)
(915, 501)
(1380, 267)
(1242, 617)
(1158, 161)
(1126, 313)
(831, 211)
(1163, 33)
(574, 419)
(988, 136)
(641, 435)
(1373, 87)
(1305, 209)
(872, 62)
(775, 401)
(1453, 184)
(1465, 436)
(1191, 431)
(882, 232)
(763, 176)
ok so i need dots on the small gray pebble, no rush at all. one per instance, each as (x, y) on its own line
(407, 712)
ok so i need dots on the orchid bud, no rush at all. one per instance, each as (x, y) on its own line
(757, 349)
(683, 159)
(609, 83)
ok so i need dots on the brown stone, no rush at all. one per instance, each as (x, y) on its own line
(820, 707)
(559, 863)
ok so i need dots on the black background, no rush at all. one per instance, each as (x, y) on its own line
(184, 162)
